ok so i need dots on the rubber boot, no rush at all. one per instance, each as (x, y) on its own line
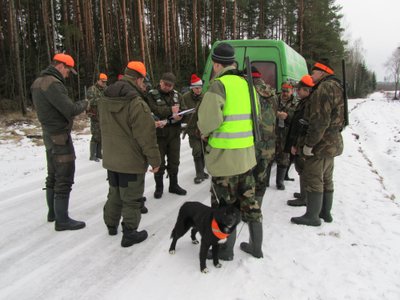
(280, 175)
(93, 149)
(199, 171)
(303, 196)
(132, 236)
(51, 216)
(174, 188)
(268, 174)
(143, 208)
(254, 246)
(63, 221)
(99, 153)
(205, 175)
(225, 250)
(287, 178)
(327, 201)
(297, 195)
(159, 185)
(314, 205)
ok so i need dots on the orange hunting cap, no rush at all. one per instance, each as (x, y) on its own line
(103, 77)
(136, 66)
(66, 60)
(323, 65)
(306, 81)
(287, 86)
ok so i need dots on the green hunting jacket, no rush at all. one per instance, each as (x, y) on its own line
(221, 162)
(128, 131)
(325, 115)
(55, 110)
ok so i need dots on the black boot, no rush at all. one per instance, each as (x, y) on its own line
(287, 178)
(199, 171)
(159, 185)
(297, 195)
(225, 250)
(132, 236)
(327, 201)
(93, 149)
(112, 230)
(254, 246)
(143, 208)
(268, 174)
(51, 216)
(299, 201)
(204, 174)
(174, 187)
(280, 175)
(63, 221)
(314, 205)
(99, 153)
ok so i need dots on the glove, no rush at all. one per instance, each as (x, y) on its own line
(307, 151)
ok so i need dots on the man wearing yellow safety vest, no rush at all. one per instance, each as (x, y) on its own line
(225, 122)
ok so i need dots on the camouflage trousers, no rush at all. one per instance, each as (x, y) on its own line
(237, 190)
(260, 177)
(124, 199)
(95, 130)
(318, 174)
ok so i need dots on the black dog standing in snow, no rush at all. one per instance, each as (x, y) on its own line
(214, 225)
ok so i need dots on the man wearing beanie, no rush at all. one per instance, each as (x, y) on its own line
(322, 142)
(297, 131)
(225, 122)
(94, 93)
(165, 103)
(56, 112)
(129, 147)
(192, 99)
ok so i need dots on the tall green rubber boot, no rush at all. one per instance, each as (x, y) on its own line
(93, 149)
(314, 205)
(280, 175)
(303, 196)
(327, 201)
(254, 246)
(51, 216)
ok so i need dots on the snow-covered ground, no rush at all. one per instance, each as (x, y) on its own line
(355, 257)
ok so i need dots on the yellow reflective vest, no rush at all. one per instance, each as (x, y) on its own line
(236, 131)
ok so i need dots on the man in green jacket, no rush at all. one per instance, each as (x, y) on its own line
(192, 99)
(129, 146)
(94, 93)
(165, 103)
(321, 143)
(56, 111)
(225, 121)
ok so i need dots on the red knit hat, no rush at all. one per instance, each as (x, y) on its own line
(195, 81)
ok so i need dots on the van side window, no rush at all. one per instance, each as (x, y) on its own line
(268, 71)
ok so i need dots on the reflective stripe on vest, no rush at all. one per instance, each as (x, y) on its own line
(236, 131)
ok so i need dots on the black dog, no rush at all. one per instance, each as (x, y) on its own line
(214, 225)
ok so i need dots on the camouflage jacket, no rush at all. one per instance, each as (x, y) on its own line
(161, 106)
(268, 106)
(298, 126)
(191, 100)
(325, 115)
(94, 93)
(281, 132)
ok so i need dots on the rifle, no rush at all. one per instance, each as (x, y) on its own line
(254, 117)
(346, 108)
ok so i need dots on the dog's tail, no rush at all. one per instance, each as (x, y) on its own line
(172, 233)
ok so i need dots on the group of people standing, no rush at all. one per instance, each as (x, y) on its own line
(134, 128)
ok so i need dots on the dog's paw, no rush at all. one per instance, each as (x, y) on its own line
(195, 242)
(218, 265)
(171, 251)
(205, 270)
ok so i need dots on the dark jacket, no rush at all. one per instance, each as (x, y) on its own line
(127, 130)
(55, 110)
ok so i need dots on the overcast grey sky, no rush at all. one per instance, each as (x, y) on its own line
(377, 24)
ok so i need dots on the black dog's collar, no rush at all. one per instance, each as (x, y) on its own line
(217, 232)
